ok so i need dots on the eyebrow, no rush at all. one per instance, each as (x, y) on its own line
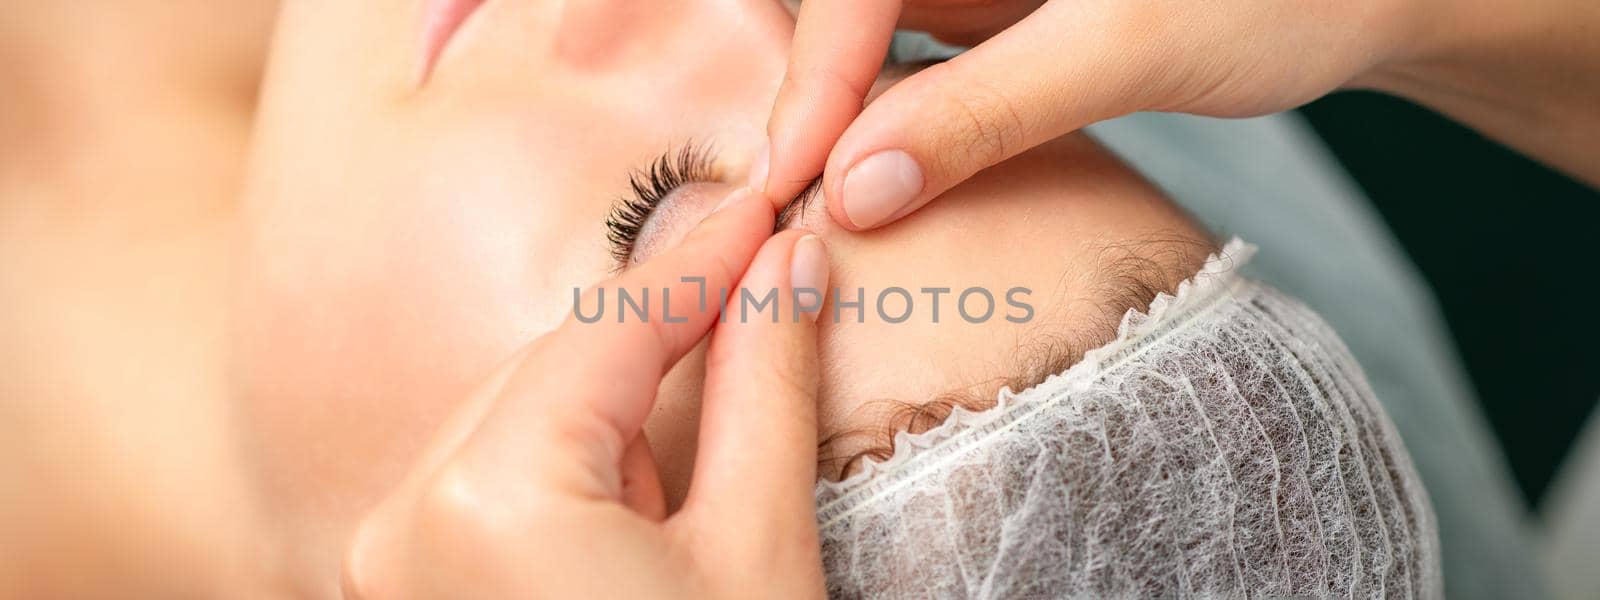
(1130, 276)
(796, 207)
(1045, 356)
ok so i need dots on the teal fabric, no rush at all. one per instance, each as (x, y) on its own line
(1271, 181)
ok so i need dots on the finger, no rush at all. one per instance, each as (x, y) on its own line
(756, 465)
(839, 45)
(1061, 68)
(965, 23)
(635, 352)
(380, 541)
(571, 409)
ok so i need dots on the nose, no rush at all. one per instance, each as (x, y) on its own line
(670, 37)
(595, 34)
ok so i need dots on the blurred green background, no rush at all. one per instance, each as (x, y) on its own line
(1509, 247)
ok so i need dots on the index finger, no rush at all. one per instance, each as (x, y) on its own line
(584, 390)
(839, 47)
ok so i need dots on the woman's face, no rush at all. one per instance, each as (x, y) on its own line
(408, 233)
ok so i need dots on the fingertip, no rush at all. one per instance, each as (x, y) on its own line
(774, 266)
(833, 197)
(803, 246)
(808, 272)
(792, 268)
(878, 190)
(835, 203)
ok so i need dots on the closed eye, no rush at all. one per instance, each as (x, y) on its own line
(691, 163)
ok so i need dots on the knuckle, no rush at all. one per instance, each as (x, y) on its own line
(452, 504)
(724, 270)
(666, 336)
(825, 81)
(794, 380)
(358, 579)
(856, 89)
(354, 586)
(783, 379)
(364, 570)
(988, 128)
(427, 529)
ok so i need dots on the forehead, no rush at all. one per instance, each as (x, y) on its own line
(1032, 231)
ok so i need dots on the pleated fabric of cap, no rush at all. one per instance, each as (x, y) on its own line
(1224, 445)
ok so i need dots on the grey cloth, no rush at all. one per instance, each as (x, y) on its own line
(1271, 181)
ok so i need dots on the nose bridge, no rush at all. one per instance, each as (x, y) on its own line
(597, 34)
(767, 22)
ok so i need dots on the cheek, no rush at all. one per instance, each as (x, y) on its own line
(359, 331)
(343, 367)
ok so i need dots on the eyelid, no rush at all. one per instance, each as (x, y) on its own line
(649, 186)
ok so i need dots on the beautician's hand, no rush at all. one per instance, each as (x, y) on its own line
(1526, 73)
(543, 485)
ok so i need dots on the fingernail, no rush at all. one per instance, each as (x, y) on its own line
(879, 186)
(759, 167)
(808, 269)
(733, 198)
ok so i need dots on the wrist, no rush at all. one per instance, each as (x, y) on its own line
(1454, 50)
(1523, 74)
(1418, 38)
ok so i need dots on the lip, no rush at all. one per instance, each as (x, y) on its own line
(441, 20)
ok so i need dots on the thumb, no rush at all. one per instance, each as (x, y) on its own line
(756, 467)
(1030, 84)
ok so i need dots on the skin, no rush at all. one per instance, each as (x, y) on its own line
(537, 489)
(406, 234)
(382, 168)
(121, 147)
(314, 337)
(358, 328)
(1523, 74)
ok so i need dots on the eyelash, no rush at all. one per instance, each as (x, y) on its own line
(691, 163)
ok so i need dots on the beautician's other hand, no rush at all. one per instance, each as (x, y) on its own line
(542, 484)
(1528, 74)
